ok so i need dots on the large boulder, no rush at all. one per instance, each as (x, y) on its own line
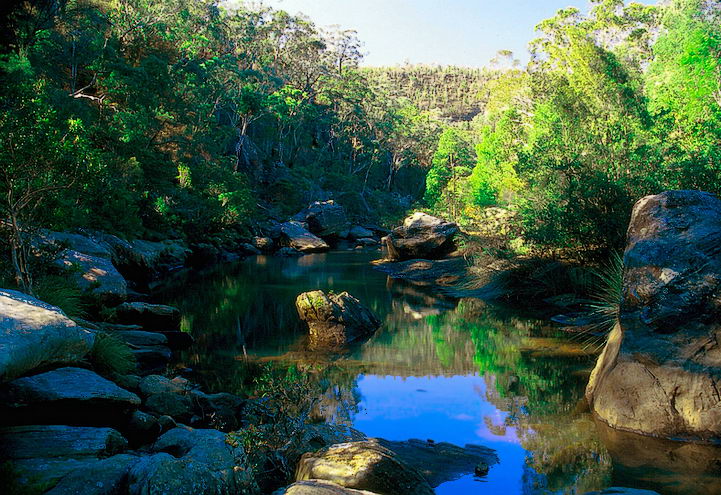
(149, 316)
(34, 334)
(335, 319)
(192, 462)
(295, 236)
(67, 395)
(77, 242)
(659, 373)
(319, 487)
(364, 465)
(97, 477)
(49, 441)
(324, 218)
(421, 236)
(94, 275)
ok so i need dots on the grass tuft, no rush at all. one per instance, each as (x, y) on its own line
(607, 293)
(111, 355)
(58, 291)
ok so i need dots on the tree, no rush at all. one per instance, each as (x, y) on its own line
(451, 162)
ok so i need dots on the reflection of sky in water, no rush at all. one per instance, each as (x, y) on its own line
(445, 409)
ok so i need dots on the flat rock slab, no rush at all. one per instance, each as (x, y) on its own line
(101, 477)
(156, 317)
(53, 441)
(441, 462)
(94, 275)
(71, 395)
(34, 334)
(295, 236)
(432, 273)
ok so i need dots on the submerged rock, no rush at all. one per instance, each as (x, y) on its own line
(335, 319)
(295, 236)
(34, 334)
(659, 372)
(421, 236)
(364, 465)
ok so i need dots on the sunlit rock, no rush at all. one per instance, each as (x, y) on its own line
(421, 236)
(294, 235)
(660, 370)
(335, 319)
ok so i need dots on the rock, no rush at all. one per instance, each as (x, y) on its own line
(149, 316)
(77, 242)
(264, 244)
(440, 462)
(248, 249)
(142, 428)
(445, 274)
(96, 276)
(335, 319)
(289, 252)
(152, 358)
(203, 254)
(359, 232)
(142, 260)
(102, 477)
(364, 465)
(157, 384)
(659, 372)
(140, 338)
(178, 407)
(189, 461)
(421, 236)
(49, 441)
(324, 218)
(318, 487)
(73, 396)
(294, 235)
(34, 335)
(367, 241)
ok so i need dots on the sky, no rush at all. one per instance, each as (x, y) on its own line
(444, 32)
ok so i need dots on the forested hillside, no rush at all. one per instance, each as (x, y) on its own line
(183, 118)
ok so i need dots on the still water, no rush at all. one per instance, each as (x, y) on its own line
(458, 371)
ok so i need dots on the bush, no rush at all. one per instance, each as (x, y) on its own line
(58, 291)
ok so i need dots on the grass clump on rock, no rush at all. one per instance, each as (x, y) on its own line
(110, 355)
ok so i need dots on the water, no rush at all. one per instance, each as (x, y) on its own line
(442, 369)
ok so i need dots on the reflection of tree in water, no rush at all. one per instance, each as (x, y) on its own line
(538, 380)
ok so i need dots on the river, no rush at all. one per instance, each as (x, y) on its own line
(459, 371)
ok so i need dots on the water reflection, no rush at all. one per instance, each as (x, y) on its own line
(456, 371)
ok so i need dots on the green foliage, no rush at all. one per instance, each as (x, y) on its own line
(110, 355)
(59, 291)
(607, 293)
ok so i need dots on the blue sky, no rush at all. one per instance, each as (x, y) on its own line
(446, 32)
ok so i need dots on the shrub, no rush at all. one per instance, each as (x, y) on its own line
(110, 355)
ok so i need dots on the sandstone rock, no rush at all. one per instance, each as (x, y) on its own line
(363, 465)
(34, 334)
(366, 241)
(149, 316)
(324, 218)
(264, 244)
(188, 461)
(294, 235)
(421, 236)
(49, 441)
(77, 242)
(179, 407)
(358, 232)
(142, 428)
(95, 275)
(319, 487)
(288, 252)
(101, 477)
(248, 249)
(142, 260)
(152, 359)
(617, 490)
(335, 319)
(68, 395)
(659, 372)
(140, 338)
(157, 384)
